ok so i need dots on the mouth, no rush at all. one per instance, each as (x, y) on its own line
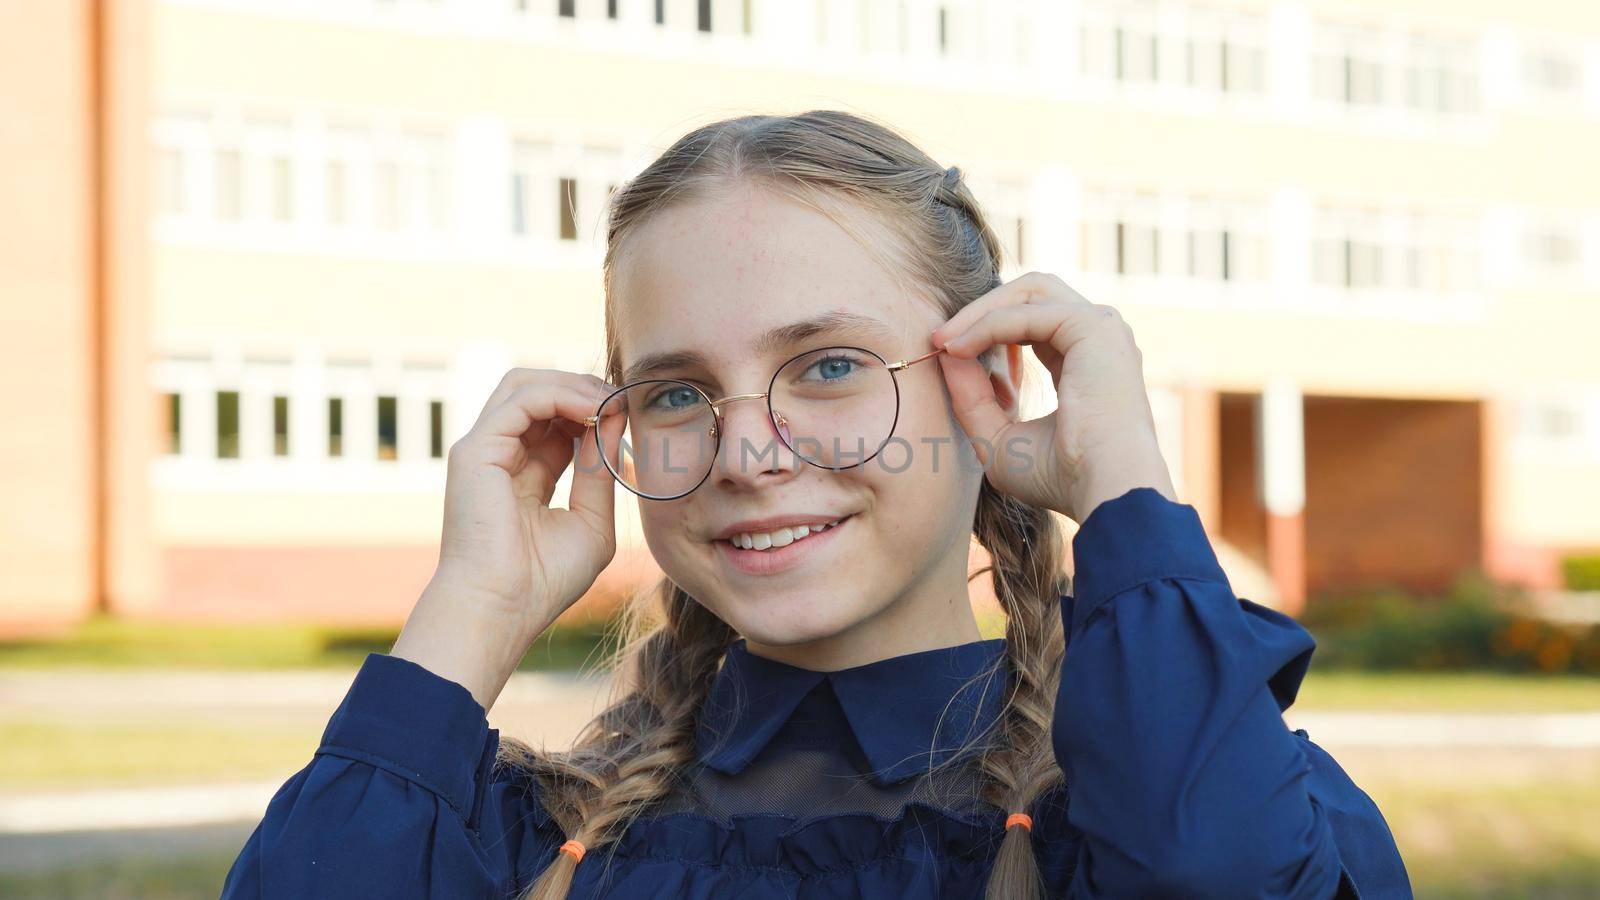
(773, 550)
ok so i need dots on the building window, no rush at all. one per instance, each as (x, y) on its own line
(1138, 249)
(1221, 52)
(1117, 232)
(1550, 420)
(1227, 240)
(1552, 252)
(530, 165)
(566, 9)
(1207, 238)
(1390, 250)
(703, 16)
(1118, 43)
(227, 424)
(170, 182)
(280, 426)
(172, 406)
(569, 209)
(1373, 67)
(386, 191)
(519, 202)
(337, 189)
(438, 190)
(1553, 72)
(335, 426)
(282, 189)
(229, 188)
(436, 429)
(1225, 54)
(661, 12)
(388, 429)
(1208, 254)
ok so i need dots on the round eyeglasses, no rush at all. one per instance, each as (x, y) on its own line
(835, 408)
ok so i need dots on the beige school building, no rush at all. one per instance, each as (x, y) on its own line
(262, 261)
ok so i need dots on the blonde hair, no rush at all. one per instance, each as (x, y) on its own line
(632, 755)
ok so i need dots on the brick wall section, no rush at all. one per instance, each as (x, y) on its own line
(1393, 492)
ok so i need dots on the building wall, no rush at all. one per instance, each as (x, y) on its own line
(1393, 493)
(352, 201)
(48, 542)
(1289, 174)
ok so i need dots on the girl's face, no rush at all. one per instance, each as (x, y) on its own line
(724, 291)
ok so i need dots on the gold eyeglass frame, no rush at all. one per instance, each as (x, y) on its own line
(773, 415)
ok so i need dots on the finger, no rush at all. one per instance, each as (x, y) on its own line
(1032, 288)
(593, 496)
(551, 448)
(973, 399)
(1059, 326)
(537, 402)
(517, 378)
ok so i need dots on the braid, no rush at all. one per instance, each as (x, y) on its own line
(1024, 543)
(630, 756)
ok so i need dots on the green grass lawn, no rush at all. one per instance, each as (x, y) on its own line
(124, 877)
(61, 754)
(111, 642)
(1448, 691)
(1535, 838)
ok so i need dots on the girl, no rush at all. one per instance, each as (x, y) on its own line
(809, 709)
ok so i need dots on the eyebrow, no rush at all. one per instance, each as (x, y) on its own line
(836, 323)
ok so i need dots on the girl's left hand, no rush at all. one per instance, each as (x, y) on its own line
(1100, 442)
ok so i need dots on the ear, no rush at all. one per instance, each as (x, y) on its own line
(1005, 374)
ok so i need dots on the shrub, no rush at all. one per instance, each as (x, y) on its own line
(1476, 625)
(1581, 573)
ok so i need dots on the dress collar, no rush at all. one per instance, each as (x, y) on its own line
(907, 712)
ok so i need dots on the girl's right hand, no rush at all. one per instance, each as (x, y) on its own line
(509, 563)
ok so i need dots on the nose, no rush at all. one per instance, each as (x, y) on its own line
(753, 449)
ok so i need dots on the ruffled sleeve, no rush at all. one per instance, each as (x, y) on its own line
(401, 799)
(1184, 779)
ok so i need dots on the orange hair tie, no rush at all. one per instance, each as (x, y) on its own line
(574, 849)
(1023, 819)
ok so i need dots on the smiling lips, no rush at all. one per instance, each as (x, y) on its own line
(767, 547)
(779, 537)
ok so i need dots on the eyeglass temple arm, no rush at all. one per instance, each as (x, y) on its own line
(895, 367)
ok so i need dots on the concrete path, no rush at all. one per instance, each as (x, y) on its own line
(1413, 729)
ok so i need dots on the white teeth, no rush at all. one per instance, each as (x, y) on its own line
(781, 537)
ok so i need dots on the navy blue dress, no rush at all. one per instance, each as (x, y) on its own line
(1181, 777)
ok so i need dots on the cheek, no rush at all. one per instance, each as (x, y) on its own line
(664, 534)
(918, 477)
(926, 443)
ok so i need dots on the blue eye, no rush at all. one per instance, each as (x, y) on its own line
(675, 398)
(833, 368)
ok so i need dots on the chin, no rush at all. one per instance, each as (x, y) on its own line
(791, 618)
